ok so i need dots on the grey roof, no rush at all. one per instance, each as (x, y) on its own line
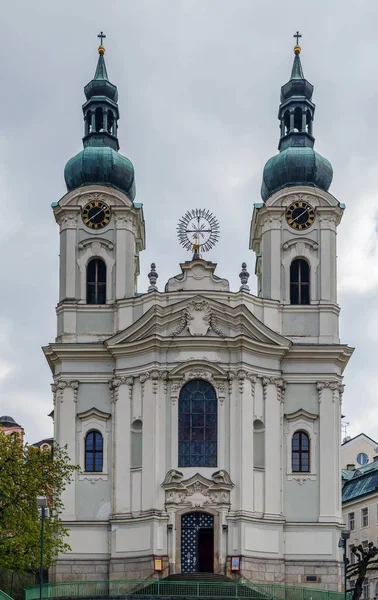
(7, 421)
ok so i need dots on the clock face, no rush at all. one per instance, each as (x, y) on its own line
(96, 215)
(300, 215)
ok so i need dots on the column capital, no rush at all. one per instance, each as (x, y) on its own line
(334, 386)
(59, 387)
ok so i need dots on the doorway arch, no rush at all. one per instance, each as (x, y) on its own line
(197, 543)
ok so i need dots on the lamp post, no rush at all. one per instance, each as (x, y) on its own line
(345, 535)
(43, 513)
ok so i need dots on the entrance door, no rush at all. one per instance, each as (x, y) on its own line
(197, 543)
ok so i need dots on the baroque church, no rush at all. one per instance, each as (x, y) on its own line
(206, 421)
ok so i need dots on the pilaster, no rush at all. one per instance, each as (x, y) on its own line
(330, 416)
(273, 395)
(122, 391)
(66, 398)
(247, 383)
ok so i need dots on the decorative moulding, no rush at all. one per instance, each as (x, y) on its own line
(198, 318)
(197, 491)
(93, 419)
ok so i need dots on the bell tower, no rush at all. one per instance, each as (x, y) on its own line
(293, 231)
(101, 226)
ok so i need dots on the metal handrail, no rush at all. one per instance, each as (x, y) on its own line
(4, 596)
(189, 589)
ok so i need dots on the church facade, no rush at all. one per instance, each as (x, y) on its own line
(206, 421)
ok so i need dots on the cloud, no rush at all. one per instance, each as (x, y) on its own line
(199, 85)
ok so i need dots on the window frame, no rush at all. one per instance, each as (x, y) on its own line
(300, 284)
(301, 420)
(93, 419)
(364, 516)
(301, 452)
(352, 519)
(94, 451)
(192, 428)
(100, 287)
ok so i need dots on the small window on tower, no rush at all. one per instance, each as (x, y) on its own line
(299, 282)
(96, 281)
(300, 452)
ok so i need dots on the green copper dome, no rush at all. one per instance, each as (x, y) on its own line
(101, 165)
(296, 166)
(297, 162)
(100, 162)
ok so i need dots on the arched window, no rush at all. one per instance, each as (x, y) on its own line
(258, 444)
(93, 451)
(96, 281)
(298, 119)
(300, 452)
(197, 427)
(88, 122)
(136, 444)
(99, 119)
(299, 282)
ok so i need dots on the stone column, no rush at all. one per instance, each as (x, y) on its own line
(222, 435)
(149, 441)
(174, 393)
(122, 388)
(235, 438)
(328, 259)
(329, 450)
(271, 257)
(246, 390)
(66, 398)
(273, 389)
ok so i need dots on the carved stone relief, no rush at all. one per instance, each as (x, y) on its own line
(198, 318)
(198, 491)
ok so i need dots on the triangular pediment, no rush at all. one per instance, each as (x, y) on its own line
(199, 317)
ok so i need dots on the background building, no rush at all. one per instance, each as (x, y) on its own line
(8, 426)
(358, 451)
(206, 421)
(360, 512)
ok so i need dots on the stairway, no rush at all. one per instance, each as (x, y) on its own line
(194, 585)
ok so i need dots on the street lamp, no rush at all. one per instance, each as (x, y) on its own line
(345, 535)
(44, 512)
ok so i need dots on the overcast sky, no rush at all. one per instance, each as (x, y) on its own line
(199, 84)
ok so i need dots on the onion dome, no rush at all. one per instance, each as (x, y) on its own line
(7, 421)
(297, 162)
(100, 162)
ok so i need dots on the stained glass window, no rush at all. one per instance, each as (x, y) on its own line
(197, 427)
(300, 452)
(93, 451)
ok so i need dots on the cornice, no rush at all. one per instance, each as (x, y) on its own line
(338, 354)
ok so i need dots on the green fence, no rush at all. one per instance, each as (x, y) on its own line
(188, 589)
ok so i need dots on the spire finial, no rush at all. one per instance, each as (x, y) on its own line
(244, 276)
(101, 49)
(152, 276)
(297, 48)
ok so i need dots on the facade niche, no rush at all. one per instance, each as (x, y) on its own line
(258, 444)
(136, 444)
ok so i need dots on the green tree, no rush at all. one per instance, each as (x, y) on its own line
(25, 473)
(365, 561)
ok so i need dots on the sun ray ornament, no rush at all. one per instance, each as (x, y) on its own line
(198, 230)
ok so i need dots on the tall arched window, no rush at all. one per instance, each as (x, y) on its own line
(96, 281)
(299, 282)
(300, 452)
(93, 451)
(99, 123)
(197, 428)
